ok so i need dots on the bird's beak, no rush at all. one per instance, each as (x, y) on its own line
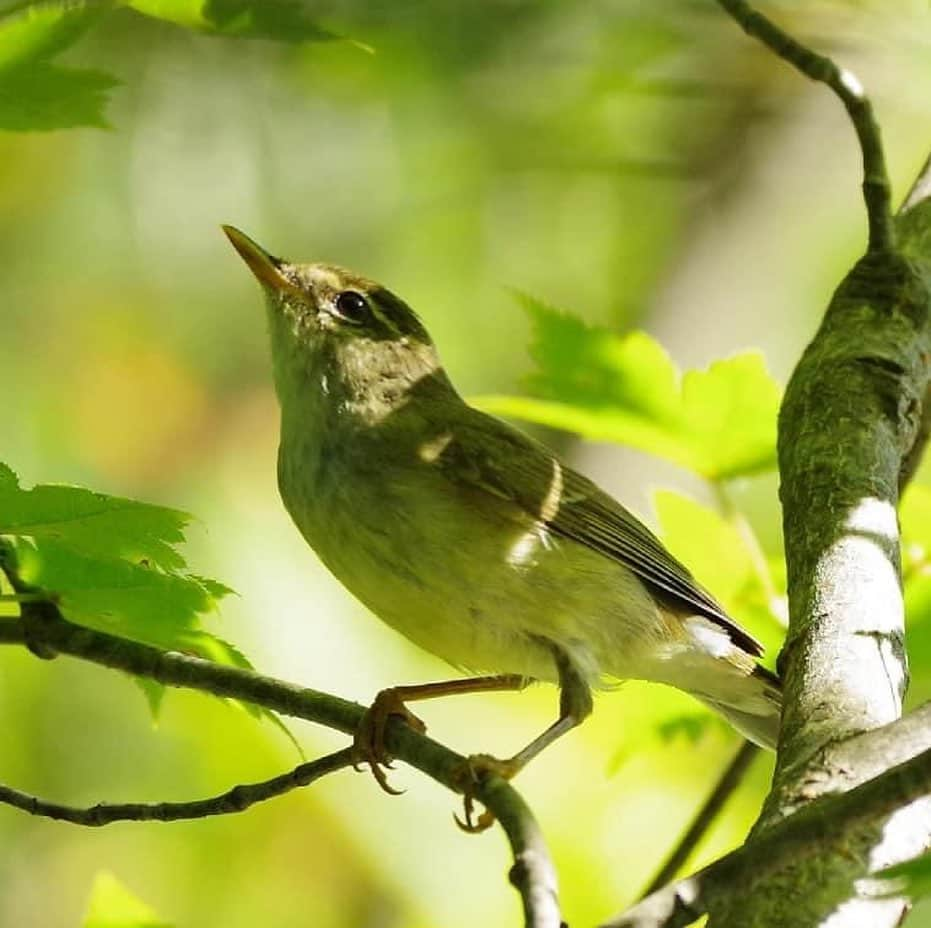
(267, 269)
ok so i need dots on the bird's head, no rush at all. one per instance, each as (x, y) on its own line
(341, 335)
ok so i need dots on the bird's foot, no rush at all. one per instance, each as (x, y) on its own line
(368, 745)
(475, 769)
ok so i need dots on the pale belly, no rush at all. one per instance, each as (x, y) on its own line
(457, 575)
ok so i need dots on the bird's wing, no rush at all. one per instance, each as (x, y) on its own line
(489, 455)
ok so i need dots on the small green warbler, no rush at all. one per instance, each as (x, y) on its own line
(469, 537)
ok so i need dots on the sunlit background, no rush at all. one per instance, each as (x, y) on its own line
(640, 164)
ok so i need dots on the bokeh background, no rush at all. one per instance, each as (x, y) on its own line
(642, 164)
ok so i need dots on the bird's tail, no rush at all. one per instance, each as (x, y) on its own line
(758, 715)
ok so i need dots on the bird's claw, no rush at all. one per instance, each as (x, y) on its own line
(369, 740)
(468, 823)
(474, 770)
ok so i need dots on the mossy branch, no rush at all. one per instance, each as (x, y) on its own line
(800, 837)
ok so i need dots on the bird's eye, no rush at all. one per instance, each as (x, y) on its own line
(353, 307)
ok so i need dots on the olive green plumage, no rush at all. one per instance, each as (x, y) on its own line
(463, 533)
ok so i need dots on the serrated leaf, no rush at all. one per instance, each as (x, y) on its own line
(40, 31)
(36, 94)
(280, 20)
(719, 422)
(731, 410)
(131, 599)
(593, 367)
(113, 564)
(911, 878)
(42, 97)
(97, 525)
(112, 905)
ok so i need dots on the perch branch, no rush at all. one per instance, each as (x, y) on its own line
(533, 874)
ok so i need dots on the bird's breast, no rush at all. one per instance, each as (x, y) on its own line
(462, 573)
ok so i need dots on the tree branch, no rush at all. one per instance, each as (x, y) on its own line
(852, 428)
(532, 874)
(803, 859)
(238, 799)
(876, 189)
(793, 840)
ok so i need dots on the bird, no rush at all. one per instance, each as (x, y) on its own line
(469, 537)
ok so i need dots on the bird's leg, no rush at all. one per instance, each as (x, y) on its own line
(575, 705)
(369, 740)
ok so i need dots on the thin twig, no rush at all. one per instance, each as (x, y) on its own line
(238, 799)
(724, 788)
(533, 874)
(876, 190)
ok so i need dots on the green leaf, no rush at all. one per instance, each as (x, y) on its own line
(731, 410)
(36, 94)
(281, 20)
(112, 905)
(98, 525)
(42, 97)
(719, 422)
(40, 31)
(912, 878)
(113, 564)
(135, 600)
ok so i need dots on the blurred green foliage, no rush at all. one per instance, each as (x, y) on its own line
(34, 92)
(644, 166)
(112, 905)
(282, 20)
(720, 422)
